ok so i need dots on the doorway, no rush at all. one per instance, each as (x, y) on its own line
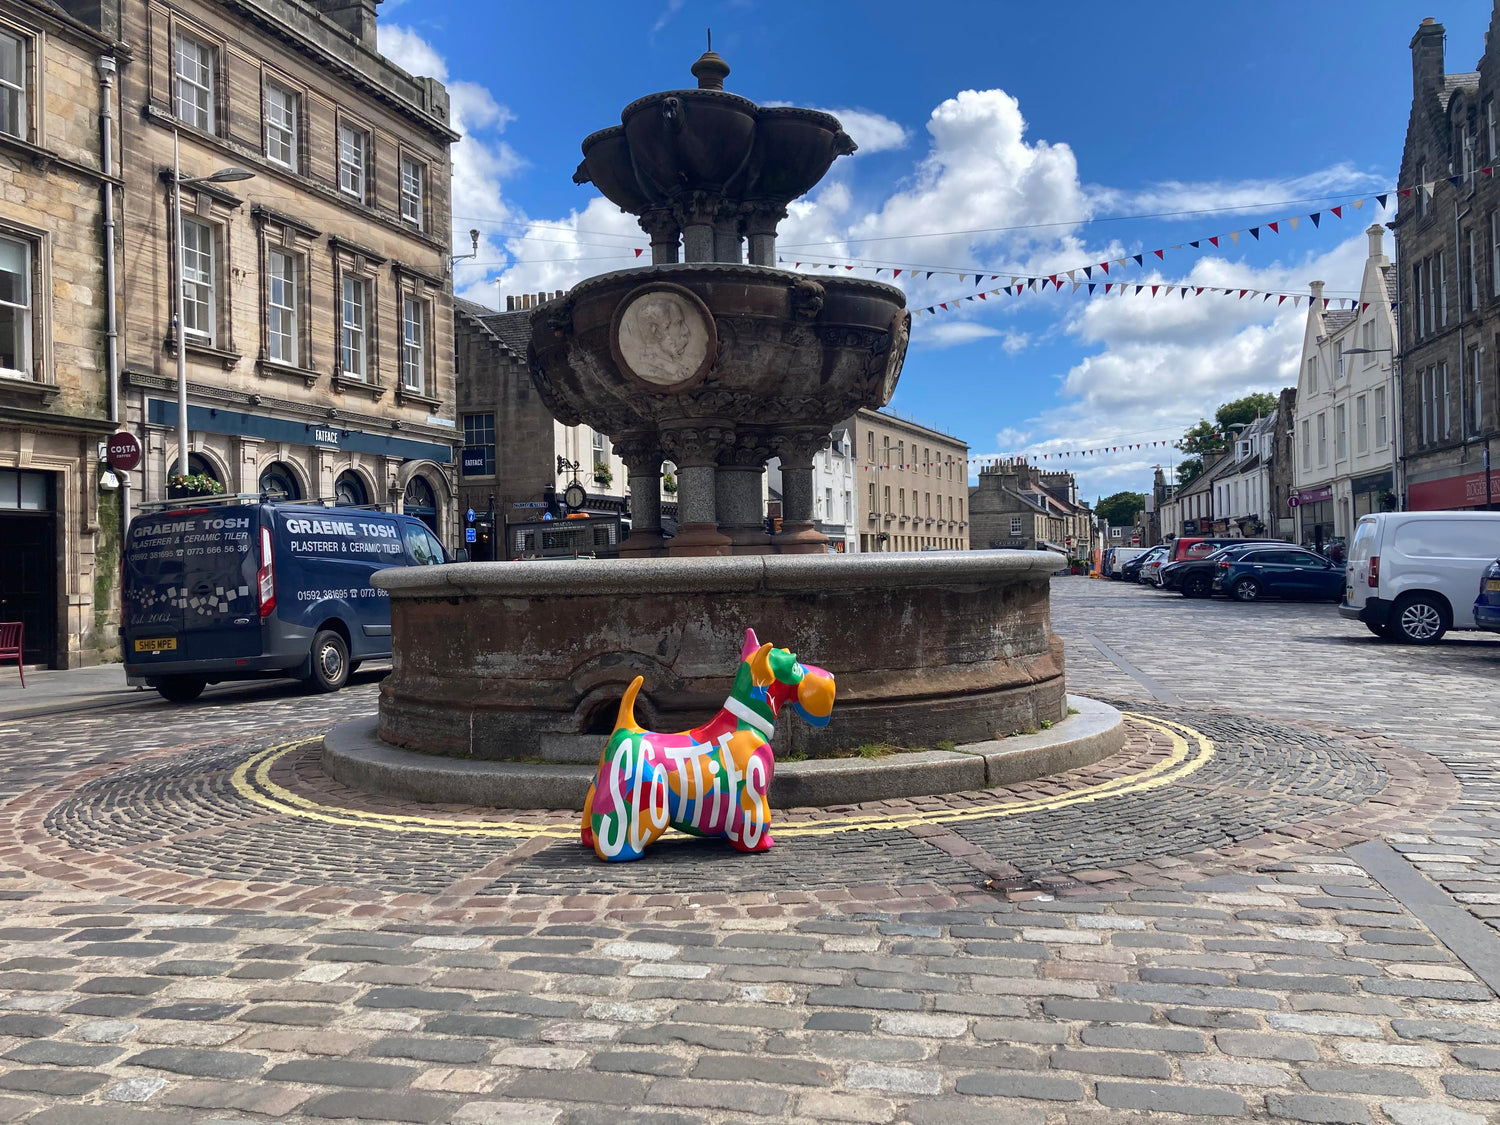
(28, 564)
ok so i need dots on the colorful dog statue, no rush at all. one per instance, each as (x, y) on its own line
(708, 781)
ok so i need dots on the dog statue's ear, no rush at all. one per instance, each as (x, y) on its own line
(751, 644)
(760, 667)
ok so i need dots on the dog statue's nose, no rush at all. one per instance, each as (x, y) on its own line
(815, 694)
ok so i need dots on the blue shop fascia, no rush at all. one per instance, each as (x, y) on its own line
(297, 452)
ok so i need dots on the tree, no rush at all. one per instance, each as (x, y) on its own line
(1120, 509)
(1214, 437)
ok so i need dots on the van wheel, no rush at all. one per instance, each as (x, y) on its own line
(330, 662)
(181, 689)
(1418, 620)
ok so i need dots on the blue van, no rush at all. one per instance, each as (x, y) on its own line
(239, 588)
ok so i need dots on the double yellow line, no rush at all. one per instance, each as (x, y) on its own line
(1190, 752)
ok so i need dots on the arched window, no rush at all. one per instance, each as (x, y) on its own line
(349, 491)
(419, 501)
(197, 465)
(278, 482)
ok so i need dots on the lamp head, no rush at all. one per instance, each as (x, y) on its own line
(229, 176)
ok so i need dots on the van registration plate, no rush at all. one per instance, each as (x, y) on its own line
(156, 644)
(1492, 585)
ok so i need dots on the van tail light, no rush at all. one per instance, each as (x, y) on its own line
(265, 577)
(1374, 579)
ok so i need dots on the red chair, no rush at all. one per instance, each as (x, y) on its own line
(12, 637)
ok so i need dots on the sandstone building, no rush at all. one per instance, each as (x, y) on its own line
(911, 486)
(1018, 506)
(318, 308)
(61, 531)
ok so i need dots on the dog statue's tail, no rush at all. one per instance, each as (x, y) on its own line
(625, 720)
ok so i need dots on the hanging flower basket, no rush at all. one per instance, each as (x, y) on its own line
(669, 484)
(180, 486)
(603, 476)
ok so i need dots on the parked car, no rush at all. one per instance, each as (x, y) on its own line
(237, 589)
(1411, 575)
(1278, 572)
(1131, 571)
(1196, 547)
(1153, 563)
(1120, 557)
(1487, 605)
(1194, 577)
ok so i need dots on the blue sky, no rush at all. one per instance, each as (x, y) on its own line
(1072, 124)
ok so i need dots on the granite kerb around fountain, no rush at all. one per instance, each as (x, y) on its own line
(354, 755)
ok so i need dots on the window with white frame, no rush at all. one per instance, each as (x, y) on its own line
(1489, 129)
(1312, 374)
(1016, 524)
(1473, 264)
(1421, 191)
(1381, 424)
(1494, 255)
(1476, 358)
(901, 499)
(194, 75)
(15, 308)
(354, 158)
(887, 495)
(1338, 372)
(1322, 439)
(1447, 400)
(1419, 321)
(601, 448)
(871, 500)
(413, 346)
(1466, 149)
(281, 307)
(282, 106)
(828, 504)
(413, 191)
(1340, 434)
(13, 112)
(1424, 390)
(355, 322)
(1362, 424)
(1306, 444)
(1367, 340)
(1442, 287)
(197, 281)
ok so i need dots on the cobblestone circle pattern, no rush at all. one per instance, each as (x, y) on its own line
(184, 814)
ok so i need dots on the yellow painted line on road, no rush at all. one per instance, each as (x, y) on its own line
(1190, 751)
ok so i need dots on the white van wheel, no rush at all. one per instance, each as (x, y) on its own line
(1418, 620)
(330, 662)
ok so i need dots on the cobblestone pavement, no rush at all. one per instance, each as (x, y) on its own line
(1279, 903)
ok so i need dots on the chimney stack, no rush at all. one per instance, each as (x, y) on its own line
(357, 17)
(1427, 57)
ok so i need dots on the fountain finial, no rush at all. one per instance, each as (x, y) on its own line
(710, 70)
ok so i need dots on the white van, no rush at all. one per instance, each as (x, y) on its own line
(1411, 576)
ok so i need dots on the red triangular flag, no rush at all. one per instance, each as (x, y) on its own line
(639, 251)
(1104, 266)
(1275, 228)
(895, 274)
(1159, 254)
(1214, 240)
(1337, 212)
(1363, 305)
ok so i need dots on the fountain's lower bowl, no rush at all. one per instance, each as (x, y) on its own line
(527, 661)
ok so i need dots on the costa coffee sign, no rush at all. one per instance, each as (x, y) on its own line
(123, 452)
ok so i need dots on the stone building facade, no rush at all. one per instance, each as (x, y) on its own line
(1018, 506)
(60, 528)
(1448, 244)
(318, 303)
(911, 487)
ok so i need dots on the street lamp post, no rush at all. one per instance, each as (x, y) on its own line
(222, 176)
(1395, 406)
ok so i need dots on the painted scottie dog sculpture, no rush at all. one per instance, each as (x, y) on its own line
(708, 781)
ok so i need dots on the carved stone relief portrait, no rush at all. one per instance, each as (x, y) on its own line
(664, 338)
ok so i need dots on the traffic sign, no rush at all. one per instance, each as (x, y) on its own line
(123, 451)
(470, 535)
(1293, 502)
(469, 516)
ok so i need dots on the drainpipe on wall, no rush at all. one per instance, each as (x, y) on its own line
(105, 65)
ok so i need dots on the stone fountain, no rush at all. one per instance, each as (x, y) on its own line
(717, 364)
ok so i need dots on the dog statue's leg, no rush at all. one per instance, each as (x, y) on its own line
(750, 824)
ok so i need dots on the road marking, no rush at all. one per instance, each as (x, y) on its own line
(1166, 695)
(1190, 751)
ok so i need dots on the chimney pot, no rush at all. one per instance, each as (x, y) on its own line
(510, 303)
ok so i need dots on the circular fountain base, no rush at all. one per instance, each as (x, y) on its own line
(527, 662)
(354, 754)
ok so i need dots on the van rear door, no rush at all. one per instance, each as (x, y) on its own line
(190, 585)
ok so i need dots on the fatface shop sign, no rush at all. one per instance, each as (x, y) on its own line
(323, 435)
